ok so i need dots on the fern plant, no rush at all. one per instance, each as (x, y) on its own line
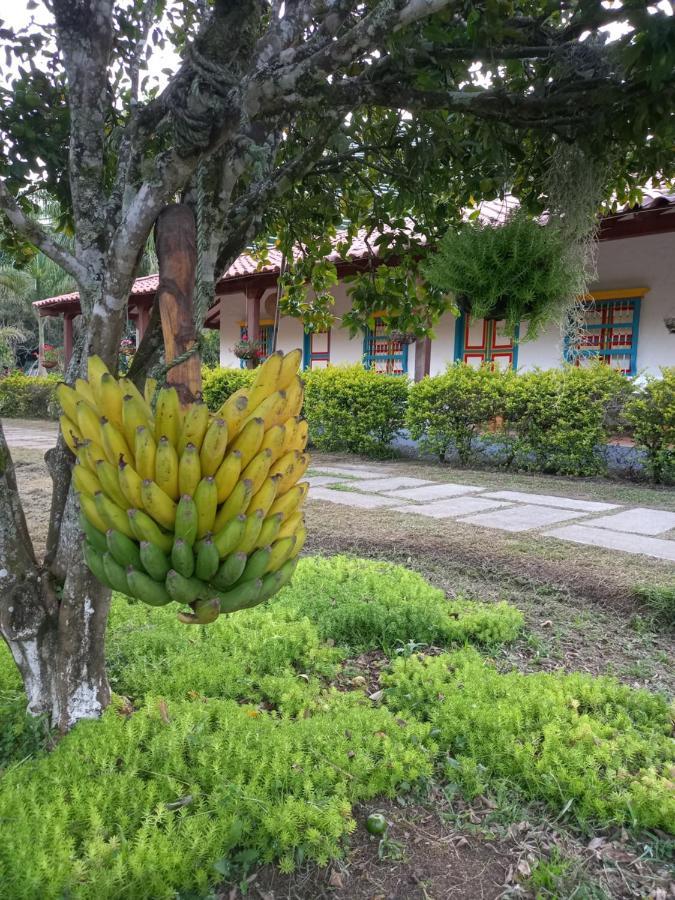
(517, 271)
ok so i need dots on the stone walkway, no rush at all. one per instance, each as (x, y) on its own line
(28, 434)
(609, 525)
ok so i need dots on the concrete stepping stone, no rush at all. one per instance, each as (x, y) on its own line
(348, 472)
(522, 518)
(388, 484)
(551, 500)
(615, 540)
(321, 480)
(445, 509)
(638, 521)
(434, 492)
(350, 498)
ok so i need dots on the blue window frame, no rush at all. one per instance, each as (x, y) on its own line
(480, 341)
(383, 354)
(316, 349)
(266, 339)
(609, 333)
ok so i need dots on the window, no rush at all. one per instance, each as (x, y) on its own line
(609, 331)
(316, 350)
(480, 341)
(266, 338)
(383, 354)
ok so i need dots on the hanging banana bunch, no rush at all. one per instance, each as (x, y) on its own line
(181, 505)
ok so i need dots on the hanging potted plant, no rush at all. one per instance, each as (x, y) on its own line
(50, 356)
(515, 271)
(251, 352)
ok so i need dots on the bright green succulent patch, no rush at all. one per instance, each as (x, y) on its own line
(227, 747)
(589, 742)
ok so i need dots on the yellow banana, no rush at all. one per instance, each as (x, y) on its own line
(68, 400)
(281, 550)
(294, 396)
(236, 503)
(134, 416)
(300, 538)
(265, 496)
(114, 443)
(131, 485)
(88, 423)
(291, 426)
(84, 481)
(114, 515)
(96, 369)
(290, 525)
(269, 531)
(214, 446)
(149, 390)
(273, 410)
(290, 366)
(168, 416)
(250, 440)
(89, 453)
(266, 379)
(129, 389)
(299, 439)
(256, 471)
(145, 452)
(294, 474)
(287, 503)
(234, 410)
(285, 463)
(111, 400)
(146, 529)
(84, 392)
(158, 504)
(71, 433)
(90, 510)
(189, 471)
(252, 528)
(206, 501)
(195, 423)
(107, 475)
(227, 475)
(274, 441)
(166, 468)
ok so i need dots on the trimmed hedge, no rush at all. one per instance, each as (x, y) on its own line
(25, 397)
(651, 412)
(354, 409)
(219, 384)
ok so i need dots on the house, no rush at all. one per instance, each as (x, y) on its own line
(629, 319)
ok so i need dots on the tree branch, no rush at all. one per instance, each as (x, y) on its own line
(38, 236)
(17, 557)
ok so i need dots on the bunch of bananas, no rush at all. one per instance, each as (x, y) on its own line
(179, 505)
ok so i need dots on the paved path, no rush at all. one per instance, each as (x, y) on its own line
(609, 525)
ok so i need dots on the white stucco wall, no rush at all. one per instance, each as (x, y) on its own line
(644, 262)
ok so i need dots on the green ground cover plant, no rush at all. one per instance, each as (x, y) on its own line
(229, 747)
(588, 745)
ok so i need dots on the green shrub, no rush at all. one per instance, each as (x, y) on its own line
(364, 605)
(558, 420)
(451, 410)
(219, 384)
(660, 600)
(557, 738)
(25, 397)
(652, 416)
(353, 409)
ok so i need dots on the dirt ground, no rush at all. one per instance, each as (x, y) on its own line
(581, 614)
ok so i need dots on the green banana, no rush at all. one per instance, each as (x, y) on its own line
(146, 588)
(207, 560)
(94, 559)
(256, 564)
(187, 520)
(146, 529)
(252, 529)
(185, 590)
(205, 612)
(155, 563)
(227, 539)
(269, 531)
(93, 535)
(182, 558)
(240, 597)
(115, 574)
(122, 549)
(230, 571)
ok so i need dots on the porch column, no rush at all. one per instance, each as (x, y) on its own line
(142, 319)
(422, 358)
(253, 299)
(67, 338)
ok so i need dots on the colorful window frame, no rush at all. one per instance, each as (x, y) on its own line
(266, 338)
(491, 347)
(610, 332)
(316, 349)
(381, 353)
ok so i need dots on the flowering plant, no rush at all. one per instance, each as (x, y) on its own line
(246, 349)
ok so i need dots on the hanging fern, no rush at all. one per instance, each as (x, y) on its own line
(517, 271)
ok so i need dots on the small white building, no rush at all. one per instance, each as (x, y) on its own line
(630, 324)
